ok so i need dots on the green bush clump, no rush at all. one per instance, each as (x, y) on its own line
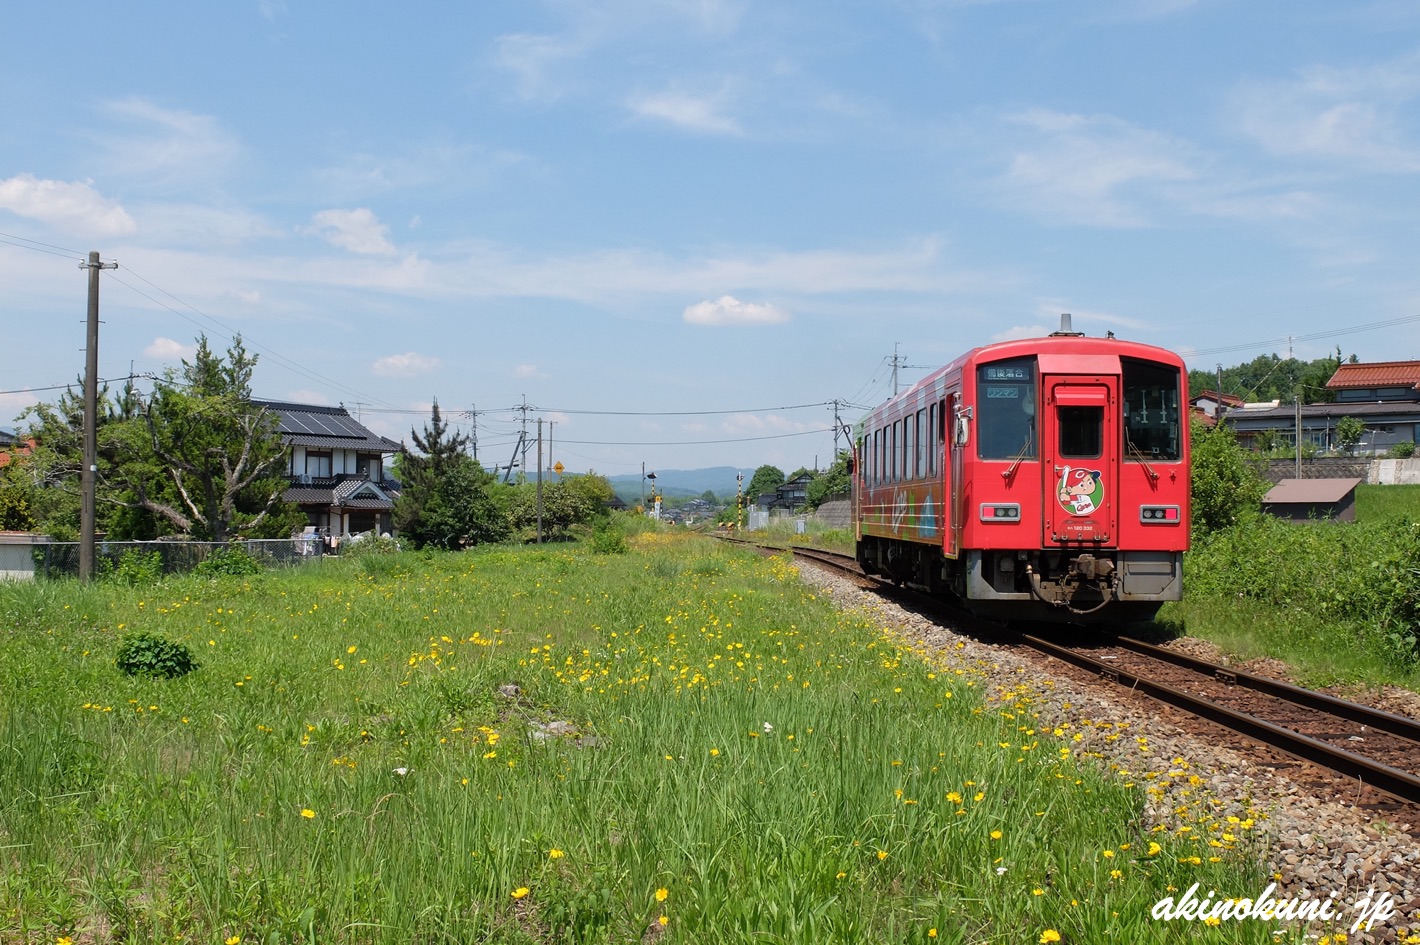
(148, 654)
(227, 561)
(608, 539)
(137, 568)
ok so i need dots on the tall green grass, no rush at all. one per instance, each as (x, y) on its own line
(698, 749)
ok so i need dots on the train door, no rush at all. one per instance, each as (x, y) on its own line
(949, 460)
(1080, 452)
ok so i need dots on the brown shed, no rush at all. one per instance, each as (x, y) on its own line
(1303, 499)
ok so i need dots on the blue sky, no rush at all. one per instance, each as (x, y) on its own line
(680, 216)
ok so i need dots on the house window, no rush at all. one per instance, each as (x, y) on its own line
(370, 467)
(317, 465)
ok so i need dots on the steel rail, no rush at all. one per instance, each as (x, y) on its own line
(1399, 784)
(1397, 725)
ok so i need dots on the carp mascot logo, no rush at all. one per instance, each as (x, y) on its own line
(1081, 490)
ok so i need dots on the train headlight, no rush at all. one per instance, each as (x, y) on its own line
(1159, 514)
(1003, 512)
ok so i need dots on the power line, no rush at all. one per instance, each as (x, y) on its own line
(743, 439)
(102, 380)
(35, 246)
(1315, 336)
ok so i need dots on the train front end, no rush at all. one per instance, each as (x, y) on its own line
(1074, 495)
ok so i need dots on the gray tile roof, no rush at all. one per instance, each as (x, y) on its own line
(324, 428)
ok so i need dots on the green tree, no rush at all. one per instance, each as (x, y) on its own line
(765, 479)
(1226, 487)
(197, 455)
(446, 500)
(835, 481)
(1349, 431)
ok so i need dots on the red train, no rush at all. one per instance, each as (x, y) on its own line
(1045, 478)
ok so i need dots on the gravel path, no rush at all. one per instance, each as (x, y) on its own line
(1314, 847)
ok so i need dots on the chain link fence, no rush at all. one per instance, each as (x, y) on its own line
(61, 558)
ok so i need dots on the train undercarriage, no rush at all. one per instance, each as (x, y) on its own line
(1069, 583)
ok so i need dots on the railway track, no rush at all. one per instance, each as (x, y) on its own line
(1366, 746)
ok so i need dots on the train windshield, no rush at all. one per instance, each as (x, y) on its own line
(1152, 422)
(1005, 409)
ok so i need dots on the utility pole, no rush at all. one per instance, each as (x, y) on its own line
(1299, 433)
(896, 361)
(473, 415)
(539, 480)
(88, 476)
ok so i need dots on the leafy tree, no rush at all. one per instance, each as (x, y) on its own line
(709, 496)
(447, 500)
(836, 480)
(198, 455)
(765, 479)
(1349, 431)
(576, 500)
(1226, 487)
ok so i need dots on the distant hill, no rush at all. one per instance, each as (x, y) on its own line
(683, 483)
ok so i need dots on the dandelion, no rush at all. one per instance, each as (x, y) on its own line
(64, 940)
(555, 854)
(307, 813)
(234, 940)
(662, 893)
(520, 892)
(1154, 848)
(1212, 920)
(1048, 936)
(932, 933)
(664, 920)
(882, 854)
(995, 835)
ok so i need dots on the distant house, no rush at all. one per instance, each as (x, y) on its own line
(11, 445)
(337, 468)
(792, 495)
(1303, 499)
(1210, 404)
(1385, 396)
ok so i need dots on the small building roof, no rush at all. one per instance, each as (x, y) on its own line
(1377, 374)
(322, 427)
(1227, 400)
(1309, 491)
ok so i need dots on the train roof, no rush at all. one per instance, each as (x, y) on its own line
(1063, 343)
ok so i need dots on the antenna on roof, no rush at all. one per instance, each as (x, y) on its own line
(1066, 329)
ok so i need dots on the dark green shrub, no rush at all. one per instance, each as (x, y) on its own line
(137, 568)
(148, 654)
(227, 561)
(608, 539)
(1401, 451)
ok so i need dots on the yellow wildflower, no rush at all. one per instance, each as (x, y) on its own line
(308, 813)
(1048, 936)
(661, 894)
(520, 892)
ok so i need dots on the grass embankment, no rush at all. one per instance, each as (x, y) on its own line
(1340, 602)
(748, 764)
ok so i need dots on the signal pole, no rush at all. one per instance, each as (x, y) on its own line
(539, 480)
(88, 475)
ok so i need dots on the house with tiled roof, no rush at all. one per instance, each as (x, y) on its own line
(1383, 395)
(338, 469)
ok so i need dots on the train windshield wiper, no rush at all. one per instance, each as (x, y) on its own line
(1139, 454)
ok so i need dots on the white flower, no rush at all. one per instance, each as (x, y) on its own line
(1000, 870)
(768, 728)
(401, 771)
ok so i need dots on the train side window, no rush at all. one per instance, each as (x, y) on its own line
(1081, 432)
(1005, 409)
(922, 443)
(909, 447)
(1153, 419)
(896, 449)
(934, 423)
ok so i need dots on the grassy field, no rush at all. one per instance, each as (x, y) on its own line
(1381, 503)
(699, 750)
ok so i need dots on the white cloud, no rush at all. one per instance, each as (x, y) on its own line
(73, 207)
(358, 230)
(12, 405)
(1354, 116)
(404, 365)
(703, 114)
(728, 310)
(532, 58)
(1092, 169)
(166, 349)
(168, 147)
